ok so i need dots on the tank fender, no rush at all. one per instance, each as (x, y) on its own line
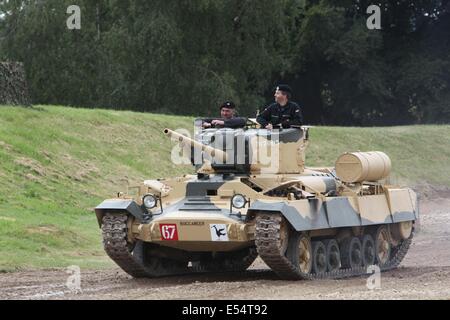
(119, 205)
(316, 219)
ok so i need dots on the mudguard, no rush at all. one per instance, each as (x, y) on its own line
(121, 205)
(316, 219)
(338, 212)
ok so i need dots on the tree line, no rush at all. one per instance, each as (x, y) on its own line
(188, 56)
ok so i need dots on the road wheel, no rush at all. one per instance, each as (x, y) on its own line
(333, 255)
(402, 230)
(305, 256)
(351, 253)
(368, 250)
(382, 246)
(319, 254)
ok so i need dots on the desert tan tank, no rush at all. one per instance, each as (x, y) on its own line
(253, 195)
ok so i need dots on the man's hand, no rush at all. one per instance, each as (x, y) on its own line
(206, 125)
(286, 124)
(269, 126)
(218, 123)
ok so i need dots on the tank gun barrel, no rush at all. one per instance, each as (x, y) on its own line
(188, 142)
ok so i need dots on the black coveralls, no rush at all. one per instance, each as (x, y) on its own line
(287, 116)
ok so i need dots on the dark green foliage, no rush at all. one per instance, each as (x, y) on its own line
(185, 57)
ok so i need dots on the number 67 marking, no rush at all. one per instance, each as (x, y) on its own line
(168, 232)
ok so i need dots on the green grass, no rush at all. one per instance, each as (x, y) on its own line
(58, 163)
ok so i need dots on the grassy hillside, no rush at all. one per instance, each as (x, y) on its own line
(58, 163)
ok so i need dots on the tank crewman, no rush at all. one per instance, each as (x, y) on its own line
(227, 118)
(283, 112)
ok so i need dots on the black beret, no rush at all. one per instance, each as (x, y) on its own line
(284, 88)
(228, 104)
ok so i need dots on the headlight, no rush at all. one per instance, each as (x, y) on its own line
(150, 201)
(238, 201)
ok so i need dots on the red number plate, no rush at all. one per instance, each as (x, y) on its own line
(168, 232)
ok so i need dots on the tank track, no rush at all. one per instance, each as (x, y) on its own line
(116, 246)
(268, 246)
(132, 259)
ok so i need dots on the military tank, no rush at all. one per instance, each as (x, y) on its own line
(253, 195)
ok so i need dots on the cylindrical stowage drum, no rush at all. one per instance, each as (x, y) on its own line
(363, 166)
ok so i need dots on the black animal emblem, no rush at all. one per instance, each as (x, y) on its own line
(219, 231)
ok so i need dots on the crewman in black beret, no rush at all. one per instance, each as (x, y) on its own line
(227, 118)
(283, 112)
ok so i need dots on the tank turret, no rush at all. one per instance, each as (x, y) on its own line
(253, 151)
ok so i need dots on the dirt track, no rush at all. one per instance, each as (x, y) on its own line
(424, 274)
